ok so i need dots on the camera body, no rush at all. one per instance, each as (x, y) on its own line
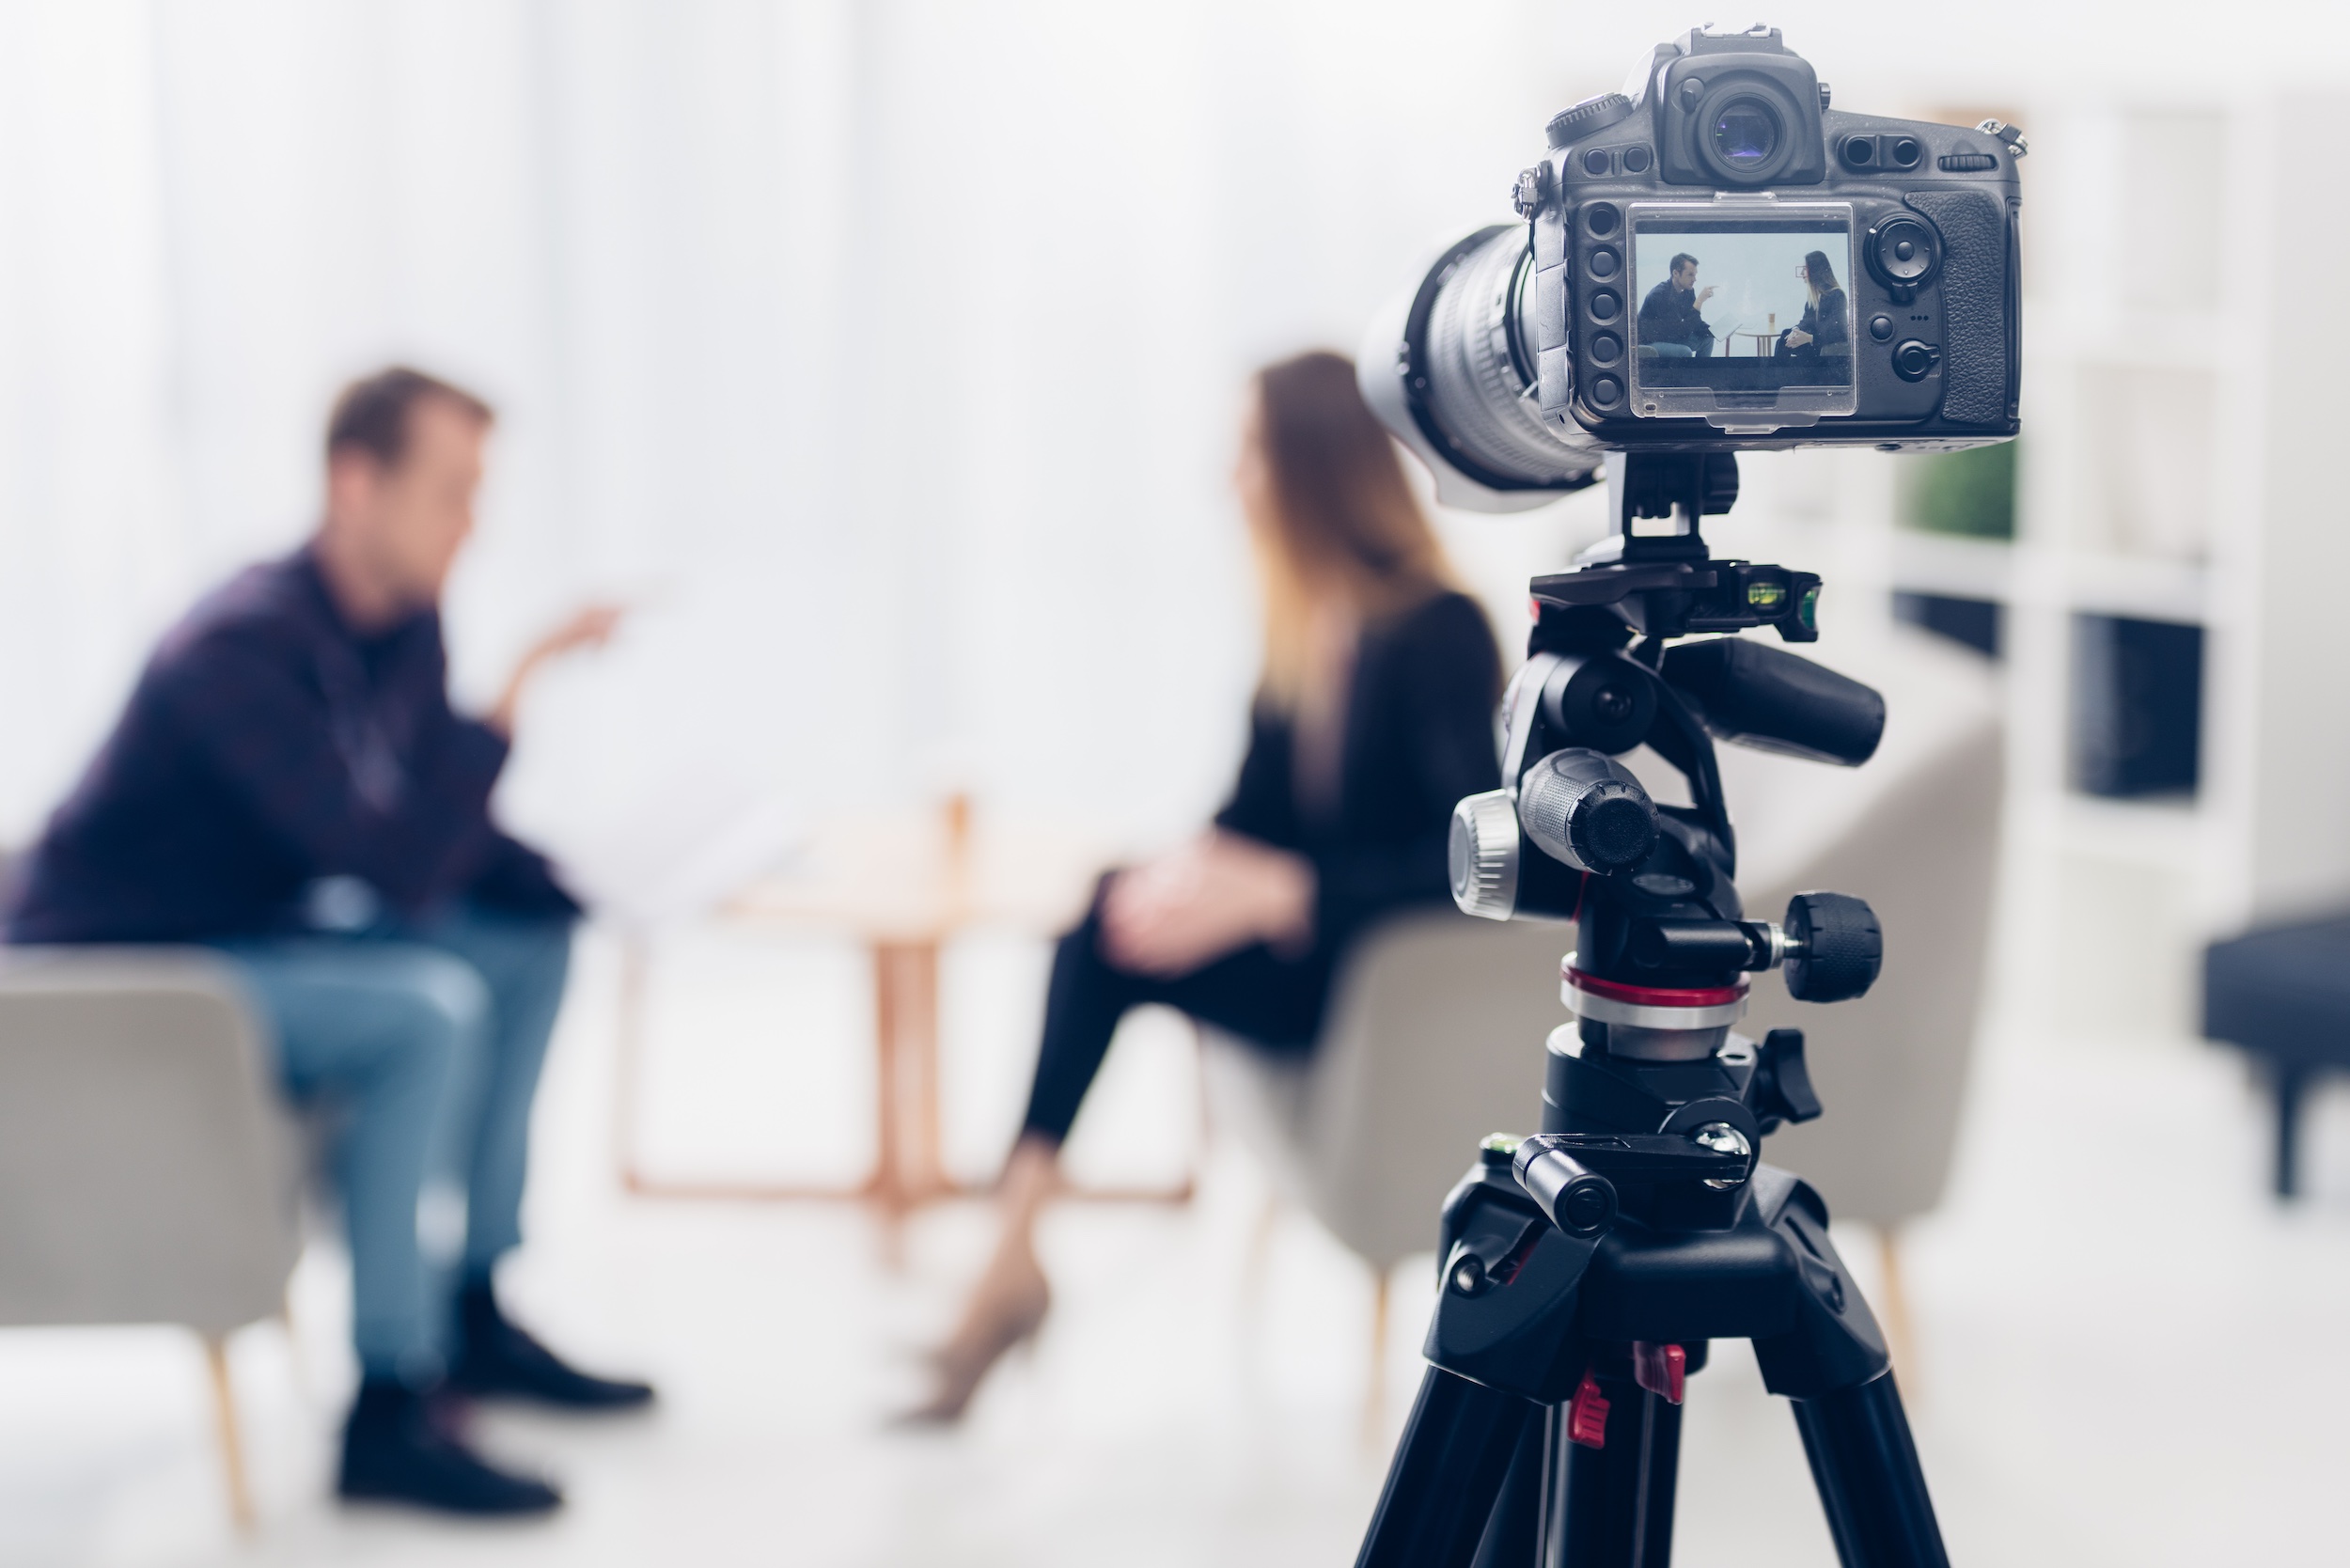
(1715, 261)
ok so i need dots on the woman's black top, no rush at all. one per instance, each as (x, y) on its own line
(1829, 322)
(1419, 735)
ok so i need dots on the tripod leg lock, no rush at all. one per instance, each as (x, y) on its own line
(1587, 1414)
(1662, 1369)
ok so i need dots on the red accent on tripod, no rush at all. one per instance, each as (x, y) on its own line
(1662, 1369)
(1587, 1414)
(1650, 996)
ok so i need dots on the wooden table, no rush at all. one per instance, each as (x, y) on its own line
(1763, 342)
(903, 883)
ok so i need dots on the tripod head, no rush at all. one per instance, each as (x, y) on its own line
(1665, 946)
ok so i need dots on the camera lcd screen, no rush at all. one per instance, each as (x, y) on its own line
(1751, 304)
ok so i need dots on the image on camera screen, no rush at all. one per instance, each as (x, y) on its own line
(1751, 305)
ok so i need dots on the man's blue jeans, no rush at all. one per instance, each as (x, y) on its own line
(426, 1036)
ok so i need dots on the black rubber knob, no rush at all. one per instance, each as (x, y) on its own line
(1584, 807)
(1593, 114)
(1834, 946)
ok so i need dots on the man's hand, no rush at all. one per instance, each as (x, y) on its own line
(1704, 294)
(1216, 895)
(589, 627)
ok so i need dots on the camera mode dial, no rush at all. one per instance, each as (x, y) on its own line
(1593, 114)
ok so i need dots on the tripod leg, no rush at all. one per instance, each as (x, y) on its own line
(1515, 1533)
(1618, 1508)
(1446, 1475)
(1866, 1468)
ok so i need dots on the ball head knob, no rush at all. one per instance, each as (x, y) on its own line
(1834, 946)
(1483, 855)
(1585, 808)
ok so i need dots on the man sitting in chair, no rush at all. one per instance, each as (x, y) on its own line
(289, 784)
(1670, 325)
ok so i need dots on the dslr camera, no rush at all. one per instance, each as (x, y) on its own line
(1714, 260)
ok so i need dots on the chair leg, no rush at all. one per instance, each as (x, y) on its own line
(231, 1443)
(1893, 1300)
(294, 1347)
(1257, 1265)
(1375, 1386)
(2292, 1084)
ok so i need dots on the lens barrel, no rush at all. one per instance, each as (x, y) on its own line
(1454, 380)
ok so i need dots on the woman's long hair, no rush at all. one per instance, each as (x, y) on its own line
(1343, 522)
(1818, 275)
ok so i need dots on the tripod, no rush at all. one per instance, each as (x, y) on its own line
(1586, 1268)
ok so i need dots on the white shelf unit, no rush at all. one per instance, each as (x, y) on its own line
(2181, 404)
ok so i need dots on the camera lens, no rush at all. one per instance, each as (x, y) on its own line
(1747, 133)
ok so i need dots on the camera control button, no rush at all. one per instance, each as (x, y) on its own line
(1902, 252)
(1635, 160)
(1606, 349)
(1914, 360)
(1881, 327)
(1605, 305)
(1595, 161)
(1605, 391)
(1602, 263)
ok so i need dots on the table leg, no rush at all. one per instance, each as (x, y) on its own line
(909, 1151)
(912, 1163)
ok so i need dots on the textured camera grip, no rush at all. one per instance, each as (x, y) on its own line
(1974, 302)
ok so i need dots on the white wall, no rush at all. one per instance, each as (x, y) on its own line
(888, 350)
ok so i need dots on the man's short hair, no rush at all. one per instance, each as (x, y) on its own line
(371, 413)
(1683, 259)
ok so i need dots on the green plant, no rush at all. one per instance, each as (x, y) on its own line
(1970, 492)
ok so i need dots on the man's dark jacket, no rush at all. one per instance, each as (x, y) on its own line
(268, 746)
(1669, 315)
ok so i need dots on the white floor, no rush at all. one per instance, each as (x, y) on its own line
(2127, 1355)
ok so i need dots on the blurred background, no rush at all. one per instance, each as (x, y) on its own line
(887, 358)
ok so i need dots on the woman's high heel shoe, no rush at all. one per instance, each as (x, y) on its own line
(999, 1319)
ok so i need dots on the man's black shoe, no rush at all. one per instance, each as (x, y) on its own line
(497, 1357)
(395, 1450)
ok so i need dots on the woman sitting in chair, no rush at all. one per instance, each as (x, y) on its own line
(1373, 716)
(1827, 325)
